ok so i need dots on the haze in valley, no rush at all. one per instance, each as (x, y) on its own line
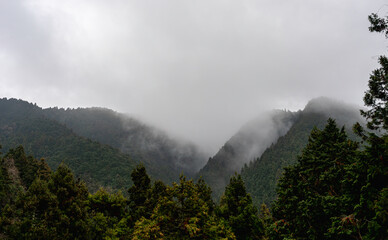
(196, 69)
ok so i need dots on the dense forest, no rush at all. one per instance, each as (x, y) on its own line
(247, 144)
(165, 157)
(99, 145)
(262, 175)
(290, 131)
(336, 189)
(97, 164)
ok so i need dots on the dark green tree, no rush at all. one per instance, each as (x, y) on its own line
(53, 208)
(371, 213)
(237, 209)
(38, 213)
(72, 196)
(28, 167)
(311, 192)
(139, 193)
(107, 214)
(376, 97)
(183, 212)
(4, 185)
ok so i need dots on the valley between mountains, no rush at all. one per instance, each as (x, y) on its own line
(102, 146)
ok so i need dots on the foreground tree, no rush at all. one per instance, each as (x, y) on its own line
(184, 211)
(107, 216)
(319, 198)
(371, 215)
(376, 97)
(237, 209)
(53, 208)
(139, 193)
(311, 192)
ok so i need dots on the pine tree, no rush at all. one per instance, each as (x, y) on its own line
(311, 192)
(183, 212)
(139, 193)
(371, 212)
(237, 209)
(106, 213)
(376, 96)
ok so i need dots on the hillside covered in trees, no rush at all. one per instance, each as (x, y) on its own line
(97, 164)
(261, 175)
(244, 146)
(264, 146)
(99, 145)
(165, 156)
(335, 188)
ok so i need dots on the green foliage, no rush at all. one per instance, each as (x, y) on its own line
(163, 156)
(184, 212)
(107, 215)
(237, 209)
(377, 97)
(53, 208)
(247, 144)
(29, 168)
(4, 185)
(378, 24)
(312, 191)
(261, 176)
(139, 193)
(98, 165)
(337, 191)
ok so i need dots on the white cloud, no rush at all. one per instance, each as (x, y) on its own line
(199, 69)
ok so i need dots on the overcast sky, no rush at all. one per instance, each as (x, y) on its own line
(197, 68)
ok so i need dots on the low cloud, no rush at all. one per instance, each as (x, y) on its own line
(198, 69)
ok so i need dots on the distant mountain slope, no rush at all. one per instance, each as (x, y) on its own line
(22, 123)
(166, 157)
(246, 145)
(261, 175)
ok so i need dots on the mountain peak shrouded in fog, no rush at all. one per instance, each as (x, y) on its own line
(166, 156)
(197, 69)
(345, 113)
(245, 146)
(264, 137)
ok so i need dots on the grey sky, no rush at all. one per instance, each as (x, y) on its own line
(199, 69)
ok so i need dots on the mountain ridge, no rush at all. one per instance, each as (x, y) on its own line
(262, 174)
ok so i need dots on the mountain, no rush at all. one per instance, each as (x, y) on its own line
(99, 144)
(22, 123)
(246, 145)
(262, 174)
(164, 156)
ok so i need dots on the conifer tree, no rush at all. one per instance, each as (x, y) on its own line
(183, 212)
(106, 214)
(371, 216)
(376, 97)
(237, 209)
(311, 192)
(139, 193)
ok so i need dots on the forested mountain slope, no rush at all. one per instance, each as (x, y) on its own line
(165, 157)
(262, 174)
(23, 123)
(246, 145)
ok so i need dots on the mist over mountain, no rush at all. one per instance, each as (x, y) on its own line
(165, 156)
(262, 174)
(268, 143)
(99, 165)
(345, 113)
(246, 145)
(100, 145)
